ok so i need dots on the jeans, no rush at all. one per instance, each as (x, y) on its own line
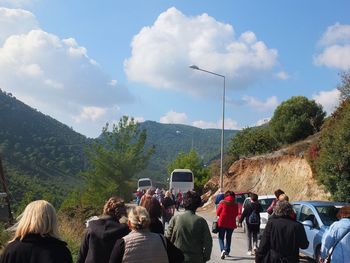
(252, 235)
(228, 232)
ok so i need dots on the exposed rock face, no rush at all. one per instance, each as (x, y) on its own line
(264, 174)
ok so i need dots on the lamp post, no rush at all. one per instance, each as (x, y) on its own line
(223, 122)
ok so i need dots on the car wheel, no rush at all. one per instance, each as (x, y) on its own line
(318, 254)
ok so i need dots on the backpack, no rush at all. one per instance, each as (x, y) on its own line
(253, 218)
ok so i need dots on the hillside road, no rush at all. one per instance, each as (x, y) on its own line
(238, 245)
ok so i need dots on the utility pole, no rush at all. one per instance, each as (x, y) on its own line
(4, 186)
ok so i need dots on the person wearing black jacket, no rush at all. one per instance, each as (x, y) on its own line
(251, 214)
(282, 238)
(36, 238)
(102, 233)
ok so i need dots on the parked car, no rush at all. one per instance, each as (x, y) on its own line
(316, 216)
(265, 201)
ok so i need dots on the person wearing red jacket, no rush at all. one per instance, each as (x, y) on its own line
(227, 212)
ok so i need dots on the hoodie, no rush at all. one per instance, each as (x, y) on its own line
(99, 240)
(227, 212)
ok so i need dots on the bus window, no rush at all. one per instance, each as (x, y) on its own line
(182, 177)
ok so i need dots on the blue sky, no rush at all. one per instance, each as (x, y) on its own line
(86, 63)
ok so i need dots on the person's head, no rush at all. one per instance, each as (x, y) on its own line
(254, 197)
(149, 192)
(344, 212)
(283, 208)
(138, 218)
(191, 201)
(283, 197)
(39, 217)
(155, 210)
(115, 208)
(230, 193)
(167, 194)
(278, 192)
(157, 191)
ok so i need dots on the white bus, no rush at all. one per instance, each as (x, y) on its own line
(181, 180)
(144, 184)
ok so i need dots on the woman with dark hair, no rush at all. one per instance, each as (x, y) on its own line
(227, 212)
(251, 214)
(102, 233)
(278, 192)
(155, 212)
(197, 248)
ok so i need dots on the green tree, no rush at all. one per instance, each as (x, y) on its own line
(252, 141)
(333, 162)
(192, 161)
(114, 161)
(344, 86)
(295, 119)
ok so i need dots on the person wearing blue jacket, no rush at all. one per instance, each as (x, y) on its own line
(337, 238)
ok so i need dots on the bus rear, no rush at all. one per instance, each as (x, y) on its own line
(181, 180)
(144, 184)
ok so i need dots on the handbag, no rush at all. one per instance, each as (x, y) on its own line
(215, 227)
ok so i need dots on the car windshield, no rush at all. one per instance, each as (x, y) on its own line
(328, 214)
(144, 183)
(265, 203)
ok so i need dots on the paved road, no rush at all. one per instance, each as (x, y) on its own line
(238, 246)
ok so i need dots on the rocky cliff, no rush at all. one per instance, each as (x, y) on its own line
(286, 169)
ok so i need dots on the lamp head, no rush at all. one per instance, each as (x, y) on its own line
(194, 67)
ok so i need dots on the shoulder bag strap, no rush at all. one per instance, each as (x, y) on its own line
(336, 243)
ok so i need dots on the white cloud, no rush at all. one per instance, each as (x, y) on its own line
(269, 104)
(328, 99)
(229, 124)
(16, 3)
(262, 121)
(15, 22)
(336, 48)
(174, 117)
(54, 75)
(161, 54)
(282, 75)
(139, 119)
(90, 114)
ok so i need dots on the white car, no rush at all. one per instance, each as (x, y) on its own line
(265, 201)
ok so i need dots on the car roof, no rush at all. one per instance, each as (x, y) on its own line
(321, 203)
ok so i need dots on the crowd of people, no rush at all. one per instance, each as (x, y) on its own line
(140, 236)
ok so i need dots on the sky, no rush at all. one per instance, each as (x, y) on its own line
(86, 63)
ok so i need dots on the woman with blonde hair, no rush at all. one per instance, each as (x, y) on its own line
(141, 245)
(36, 237)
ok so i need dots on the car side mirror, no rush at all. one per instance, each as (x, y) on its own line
(308, 223)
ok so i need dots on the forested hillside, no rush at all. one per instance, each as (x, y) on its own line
(171, 139)
(42, 156)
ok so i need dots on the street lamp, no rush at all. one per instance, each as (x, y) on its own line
(223, 122)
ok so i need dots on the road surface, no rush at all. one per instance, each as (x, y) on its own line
(238, 246)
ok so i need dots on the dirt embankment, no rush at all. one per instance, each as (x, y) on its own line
(264, 174)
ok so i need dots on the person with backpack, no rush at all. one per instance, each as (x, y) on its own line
(251, 214)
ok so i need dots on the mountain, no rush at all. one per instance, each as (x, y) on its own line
(41, 155)
(171, 139)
